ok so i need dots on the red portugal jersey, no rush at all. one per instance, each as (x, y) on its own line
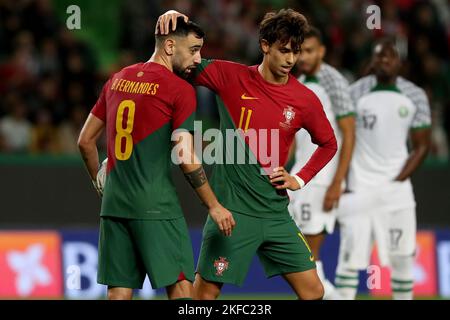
(141, 105)
(273, 113)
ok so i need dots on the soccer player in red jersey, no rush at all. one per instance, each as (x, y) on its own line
(142, 228)
(268, 102)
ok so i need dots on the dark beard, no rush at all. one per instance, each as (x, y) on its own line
(179, 72)
(182, 73)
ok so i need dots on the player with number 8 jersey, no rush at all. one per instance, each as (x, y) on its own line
(146, 102)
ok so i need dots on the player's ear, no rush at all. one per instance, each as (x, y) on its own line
(322, 51)
(264, 46)
(169, 45)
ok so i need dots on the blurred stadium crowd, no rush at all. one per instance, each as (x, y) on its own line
(50, 78)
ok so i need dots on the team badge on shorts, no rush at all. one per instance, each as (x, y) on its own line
(221, 265)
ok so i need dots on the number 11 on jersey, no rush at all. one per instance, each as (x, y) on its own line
(247, 121)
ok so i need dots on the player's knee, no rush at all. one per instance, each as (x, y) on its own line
(207, 295)
(119, 295)
(205, 290)
(402, 267)
(318, 292)
(314, 292)
(180, 290)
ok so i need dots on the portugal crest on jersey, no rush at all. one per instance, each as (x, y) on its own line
(221, 265)
(289, 115)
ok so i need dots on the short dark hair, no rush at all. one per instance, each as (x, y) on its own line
(183, 30)
(314, 32)
(285, 25)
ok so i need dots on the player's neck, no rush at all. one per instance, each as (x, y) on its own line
(316, 69)
(387, 81)
(162, 60)
(269, 76)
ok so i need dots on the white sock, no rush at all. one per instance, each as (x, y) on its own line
(346, 283)
(402, 278)
(329, 290)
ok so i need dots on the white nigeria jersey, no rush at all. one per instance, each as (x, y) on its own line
(385, 114)
(333, 92)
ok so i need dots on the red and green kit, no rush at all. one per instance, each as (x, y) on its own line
(142, 228)
(141, 106)
(247, 102)
(273, 114)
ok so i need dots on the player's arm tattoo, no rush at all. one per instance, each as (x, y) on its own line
(196, 178)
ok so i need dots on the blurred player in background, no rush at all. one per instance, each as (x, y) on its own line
(142, 227)
(252, 99)
(314, 207)
(381, 205)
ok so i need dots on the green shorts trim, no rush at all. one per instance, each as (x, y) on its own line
(280, 246)
(130, 249)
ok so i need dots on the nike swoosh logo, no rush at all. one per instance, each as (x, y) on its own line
(311, 258)
(245, 97)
